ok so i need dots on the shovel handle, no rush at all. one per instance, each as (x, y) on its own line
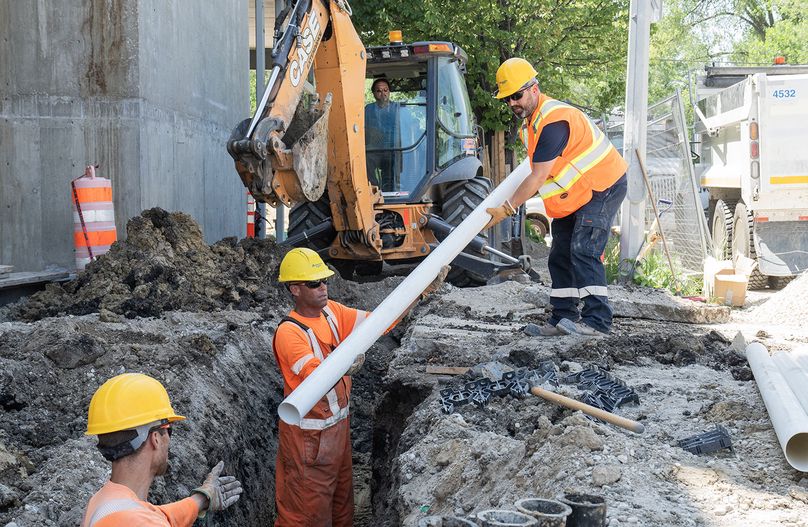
(603, 415)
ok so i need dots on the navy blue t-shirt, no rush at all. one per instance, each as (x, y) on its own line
(552, 141)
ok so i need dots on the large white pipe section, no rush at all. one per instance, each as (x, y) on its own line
(326, 375)
(785, 411)
(795, 376)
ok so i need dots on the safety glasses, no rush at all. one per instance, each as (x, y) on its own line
(166, 427)
(314, 284)
(518, 95)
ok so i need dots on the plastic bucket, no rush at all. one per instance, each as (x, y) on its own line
(550, 513)
(587, 510)
(504, 518)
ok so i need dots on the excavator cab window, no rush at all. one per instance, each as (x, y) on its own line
(395, 132)
(455, 127)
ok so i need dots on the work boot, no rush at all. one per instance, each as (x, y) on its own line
(549, 330)
(568, 327)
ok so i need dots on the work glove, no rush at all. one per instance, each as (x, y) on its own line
(357, 364)
(499, 213)
(221, 491)
(436, 283)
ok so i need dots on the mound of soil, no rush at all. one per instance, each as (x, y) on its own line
(165, 265)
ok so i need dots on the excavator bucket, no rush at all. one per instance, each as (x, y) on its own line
(307, 138)
(287, 169)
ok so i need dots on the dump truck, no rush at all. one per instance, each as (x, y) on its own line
(753, 162)
(362, 196)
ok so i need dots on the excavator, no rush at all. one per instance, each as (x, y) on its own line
(363, 193)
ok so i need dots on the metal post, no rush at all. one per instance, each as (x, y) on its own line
(260, 69)
(632, 222)
(280, 210)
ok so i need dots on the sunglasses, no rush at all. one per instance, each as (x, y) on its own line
(518, 95)
(166, 427)
(313, 284)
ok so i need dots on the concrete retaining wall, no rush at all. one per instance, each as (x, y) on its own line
(148, 90)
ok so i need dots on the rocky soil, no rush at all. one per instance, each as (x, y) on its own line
(201, 318)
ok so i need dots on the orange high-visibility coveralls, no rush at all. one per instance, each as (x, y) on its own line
(115, 505)
(314, 473)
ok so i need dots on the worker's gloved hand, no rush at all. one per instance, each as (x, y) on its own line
(221, 491)
(357, 364)
(499, 213)
(437, 282)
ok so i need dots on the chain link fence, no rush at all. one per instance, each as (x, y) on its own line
(673, 185)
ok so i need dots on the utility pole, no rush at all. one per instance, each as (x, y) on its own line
(260, 69)
(632, 222)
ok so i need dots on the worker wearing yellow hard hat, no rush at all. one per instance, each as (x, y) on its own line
(132, 416)
(313, 474)
(581, 179)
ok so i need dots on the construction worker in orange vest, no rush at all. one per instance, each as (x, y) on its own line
(132, 416)
(314, 474)
(582, 180)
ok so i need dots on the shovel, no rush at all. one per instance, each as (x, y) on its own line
(572, 404)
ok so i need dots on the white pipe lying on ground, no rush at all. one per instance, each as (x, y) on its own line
(787, 415)
(795, 376)
(326, 375)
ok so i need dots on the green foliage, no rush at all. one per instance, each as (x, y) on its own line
(652, 271)
(779, 29)
(578, 48)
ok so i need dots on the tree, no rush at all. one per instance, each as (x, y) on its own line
(578, 47)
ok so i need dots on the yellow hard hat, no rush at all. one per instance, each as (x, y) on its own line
(512, 75)
(127, 401)
(303, 265)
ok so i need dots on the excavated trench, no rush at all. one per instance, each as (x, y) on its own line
(214, 357)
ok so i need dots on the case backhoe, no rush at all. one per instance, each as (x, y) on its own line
(364, 193)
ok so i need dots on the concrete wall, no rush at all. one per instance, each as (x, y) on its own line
(148, 90)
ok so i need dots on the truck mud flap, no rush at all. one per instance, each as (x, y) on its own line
(782, 247)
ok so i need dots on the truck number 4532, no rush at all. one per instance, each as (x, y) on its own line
(784, 94)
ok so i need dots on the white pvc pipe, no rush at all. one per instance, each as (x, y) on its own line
(326, 375)
(787, 415)
(795, 375)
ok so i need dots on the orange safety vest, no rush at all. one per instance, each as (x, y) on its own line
(334, 406)
(588, 163)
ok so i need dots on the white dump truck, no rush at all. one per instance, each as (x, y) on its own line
(752, 141)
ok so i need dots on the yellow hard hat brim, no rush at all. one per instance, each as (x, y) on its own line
(132, 423)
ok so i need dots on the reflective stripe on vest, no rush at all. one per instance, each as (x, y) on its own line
(339, 413)
(577, 166)
(111, 507)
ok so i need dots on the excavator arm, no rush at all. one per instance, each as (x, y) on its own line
(294, 148)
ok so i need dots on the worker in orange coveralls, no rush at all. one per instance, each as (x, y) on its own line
(314, 475)
(132, 416)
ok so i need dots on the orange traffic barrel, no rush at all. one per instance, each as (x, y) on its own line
(93, 217)
(250, 215)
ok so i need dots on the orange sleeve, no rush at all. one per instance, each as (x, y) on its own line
(181, 513)
(295, 356)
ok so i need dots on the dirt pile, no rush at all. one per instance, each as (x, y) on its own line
(787, 306)
(164, 265)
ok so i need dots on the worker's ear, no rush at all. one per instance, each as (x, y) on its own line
(294, 290)
(155, 439)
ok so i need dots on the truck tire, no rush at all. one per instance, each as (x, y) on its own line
(308, 214)
(779, 282)
(721, 229)
(743, 243)
(460, 198)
